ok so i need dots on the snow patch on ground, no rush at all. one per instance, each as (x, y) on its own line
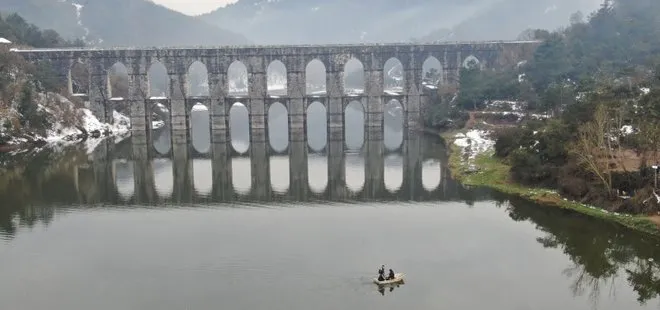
(201, 107)
(473, 143)
(157, 124)
(62, 135)
(627, 130)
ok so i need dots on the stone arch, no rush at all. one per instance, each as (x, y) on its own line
(432, 72)
(79, 78)
(239, 127)
(237, 79)
(393, 75)
(118, 81)
(162, 139)
(354, 82)
(472, 62)
(317, 126)
(160, 115)
(278, 127)
(200, 128)
(393, 119)
(159, 80)
(315, 78)
(197, 80)
(277, 82)
(354, 119)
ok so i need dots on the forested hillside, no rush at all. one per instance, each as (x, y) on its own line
(16, 29)
(31, 103)
(120, 22)
(600, 79)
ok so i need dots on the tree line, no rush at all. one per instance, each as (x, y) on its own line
(17, 30)
(600, 80)
(22, 82)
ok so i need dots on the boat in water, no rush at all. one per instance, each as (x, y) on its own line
(398, 279)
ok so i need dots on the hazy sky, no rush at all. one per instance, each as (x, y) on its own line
(194, 7)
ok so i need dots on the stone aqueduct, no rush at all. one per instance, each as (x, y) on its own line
(177, 61)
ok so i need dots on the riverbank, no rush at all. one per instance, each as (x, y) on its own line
(472, 162)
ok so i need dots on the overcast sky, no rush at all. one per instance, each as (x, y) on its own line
(194, 7)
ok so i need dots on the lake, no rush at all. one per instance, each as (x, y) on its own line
(98, 229)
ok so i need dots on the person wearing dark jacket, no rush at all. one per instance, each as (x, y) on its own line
(391, 275)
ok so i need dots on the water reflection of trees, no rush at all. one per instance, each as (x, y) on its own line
(601, 252)
(26, 191)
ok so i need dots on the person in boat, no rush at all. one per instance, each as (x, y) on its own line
(391, 275)
(381, 272)
(381, 277)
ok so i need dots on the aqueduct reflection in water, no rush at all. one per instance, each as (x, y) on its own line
(183, 175)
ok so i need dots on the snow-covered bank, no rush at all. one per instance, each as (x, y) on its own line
(473, 143)
(94, 129)
(64, 124)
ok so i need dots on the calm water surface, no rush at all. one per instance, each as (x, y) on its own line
(108, 231)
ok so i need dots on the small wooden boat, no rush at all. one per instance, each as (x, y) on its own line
(398, 279)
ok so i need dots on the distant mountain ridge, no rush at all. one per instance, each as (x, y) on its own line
(339, 21)
(120, 22)
(496, 22)
(350, 21)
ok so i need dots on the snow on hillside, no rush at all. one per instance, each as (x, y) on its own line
(67, 123)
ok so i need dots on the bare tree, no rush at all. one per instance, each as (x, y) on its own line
(592, 147)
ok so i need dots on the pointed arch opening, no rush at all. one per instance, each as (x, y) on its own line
(159, 118)
(162, 138)
(393, 76)
(354, 125)
(432, 74)
(79, 79)
(118, 81)
(159, 81)
(198, 80)
(393, 120)
(277, 81)
(354, 77)
(200, 128)
(317, 126)
(239, 127)
(237, 77)
(315, 78)
(278, 127)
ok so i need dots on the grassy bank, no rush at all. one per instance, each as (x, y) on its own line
(493, 173)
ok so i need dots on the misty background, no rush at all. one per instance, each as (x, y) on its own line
(145, 23)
